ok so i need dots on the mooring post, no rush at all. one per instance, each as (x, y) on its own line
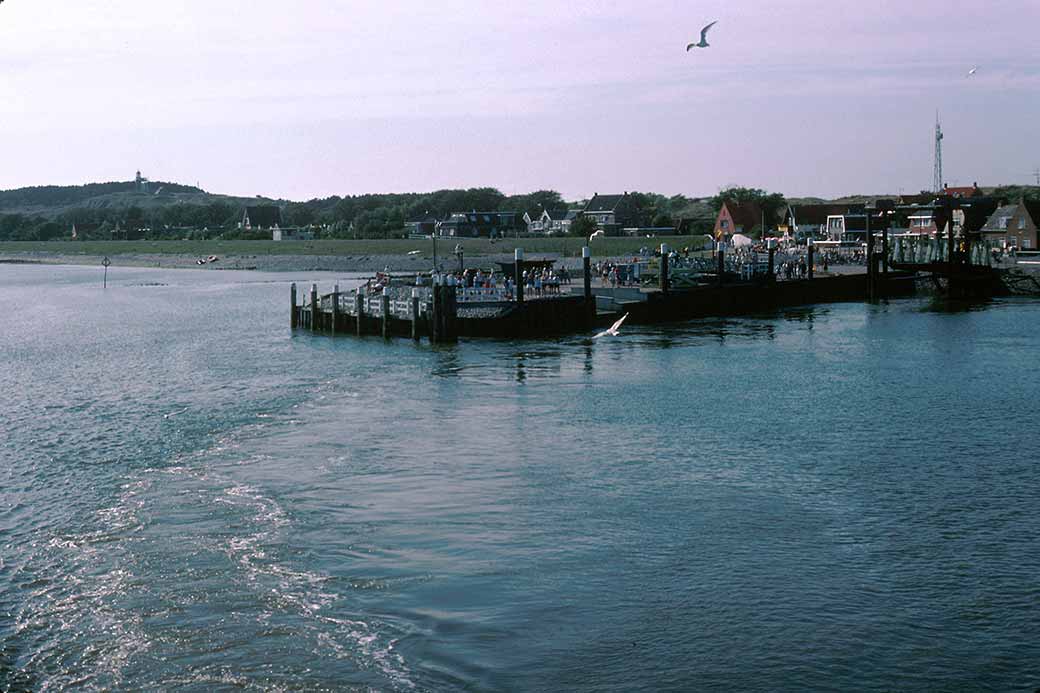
(384, 302)
(586, 269)
(292, 306)
(435, 317)
(518, 270)
(664, 268)
(771, 245)
(810, 247)
(884, 251)
(335, 309)
(871, 266)
(450, 307)
(721, 257)
(315, 307)
(415, 313)
(359, 309)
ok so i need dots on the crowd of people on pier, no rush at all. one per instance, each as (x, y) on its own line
(789, 263)
(541, 282)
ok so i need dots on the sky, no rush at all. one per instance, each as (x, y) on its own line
(313, 98)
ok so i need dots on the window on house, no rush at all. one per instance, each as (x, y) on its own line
(1004, 222)
(724, 225)
(1021, 223)
(1027, 243)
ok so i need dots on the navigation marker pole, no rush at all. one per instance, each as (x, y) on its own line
(105, 263)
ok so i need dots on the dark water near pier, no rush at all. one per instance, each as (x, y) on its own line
(192, 497)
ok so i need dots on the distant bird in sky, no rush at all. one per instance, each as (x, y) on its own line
(973, 70)
(613, 329)
(704, 38)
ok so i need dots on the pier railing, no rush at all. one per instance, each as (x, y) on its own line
(930, 251)
(401, 299)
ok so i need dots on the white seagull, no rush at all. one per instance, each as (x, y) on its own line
(973, 70)
(613, 329)
(704, 38)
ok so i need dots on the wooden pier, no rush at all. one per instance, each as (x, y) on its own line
(441, 310)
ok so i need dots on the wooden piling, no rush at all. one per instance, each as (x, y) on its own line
(293, 316)
(810, 250)
(771, 245)
(315, 308)
(664, 268)
(335, 309)
(384, 302)
(586, 270)
(884, 253)
(518, 270)
(721, 269)
(450, 332)
(437, 310)
(359, 310)
(415, 314)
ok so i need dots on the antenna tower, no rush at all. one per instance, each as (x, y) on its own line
(937, 174)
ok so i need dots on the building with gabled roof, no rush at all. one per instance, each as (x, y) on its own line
(737, 217)
(262, 217)
(551, 222)
(1014, 225)
(480, 225)
(970, 191)
(612, 212)
(809, 220)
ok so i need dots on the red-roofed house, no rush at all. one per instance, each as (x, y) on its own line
(737, 217)
(973, 191)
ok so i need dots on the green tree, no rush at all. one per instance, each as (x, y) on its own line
(582, 227)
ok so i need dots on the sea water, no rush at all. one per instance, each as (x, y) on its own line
(193, 496)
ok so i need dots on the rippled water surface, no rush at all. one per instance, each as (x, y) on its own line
(193, 497)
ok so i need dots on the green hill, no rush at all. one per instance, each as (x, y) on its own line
(51, 201)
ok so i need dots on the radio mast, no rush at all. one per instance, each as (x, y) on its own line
(937, 174)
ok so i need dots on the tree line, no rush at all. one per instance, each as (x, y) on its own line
(352, 216)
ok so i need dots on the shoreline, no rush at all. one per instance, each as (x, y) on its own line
(269, 263)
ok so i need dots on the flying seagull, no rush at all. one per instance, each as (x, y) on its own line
(613, 329)
(973, 70)
(704, 37)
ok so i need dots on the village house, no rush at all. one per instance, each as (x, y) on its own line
(848, 227)
(421, 227)
(738, 217)
(292, 234)
(971, 213)
(480, 225)
(261, 217)
(1014, 226)
(808, 221)
(82, 230)
(551, 222)
(921, 222)
(612, 212)
(964, 192)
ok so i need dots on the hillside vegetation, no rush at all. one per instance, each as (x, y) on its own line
(169, 211)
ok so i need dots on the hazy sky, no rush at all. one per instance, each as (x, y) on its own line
(310, 98)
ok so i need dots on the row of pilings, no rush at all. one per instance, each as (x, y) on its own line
(428, 312)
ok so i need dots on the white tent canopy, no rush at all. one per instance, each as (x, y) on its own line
(739, 240)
